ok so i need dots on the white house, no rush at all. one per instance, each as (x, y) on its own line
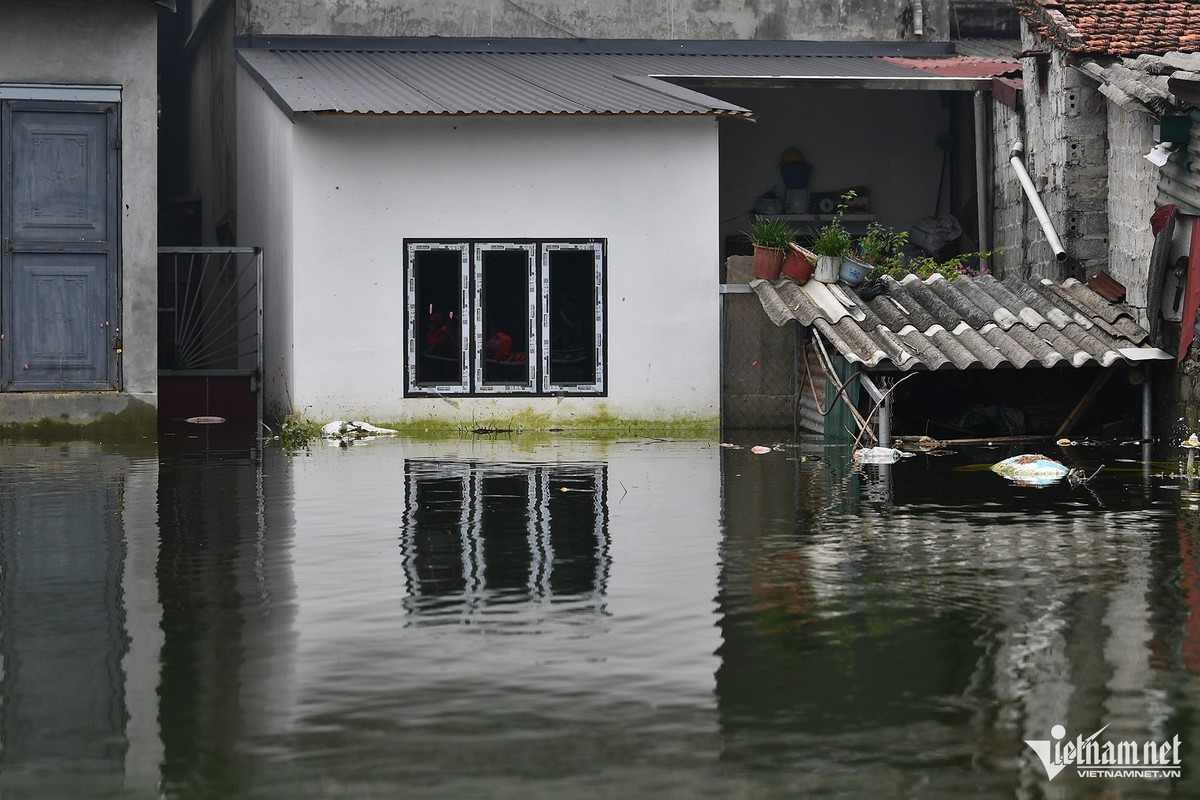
(414, 196)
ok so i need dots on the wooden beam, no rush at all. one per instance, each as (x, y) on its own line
(1084, 402)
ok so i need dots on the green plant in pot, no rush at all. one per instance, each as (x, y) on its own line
(832, 242)
(770, 237)
(882, 249)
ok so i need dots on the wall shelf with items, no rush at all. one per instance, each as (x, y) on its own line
(850, 220)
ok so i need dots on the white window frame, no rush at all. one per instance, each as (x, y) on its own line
(413, 314)
(530, 384)
(597, 250)
(472, 343)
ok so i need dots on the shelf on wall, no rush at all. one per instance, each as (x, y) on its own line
(847, 218)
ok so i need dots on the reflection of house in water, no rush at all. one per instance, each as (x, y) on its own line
(477, 534)
(78, 622)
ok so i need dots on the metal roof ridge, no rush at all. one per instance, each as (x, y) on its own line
(729, 47)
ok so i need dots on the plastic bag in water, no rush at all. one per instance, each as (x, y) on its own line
(1031, 469)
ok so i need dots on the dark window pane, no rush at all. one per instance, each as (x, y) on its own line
(505, 295)
(438, 309)
(572, 317)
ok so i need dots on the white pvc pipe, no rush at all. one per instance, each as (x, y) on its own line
(1014, 158)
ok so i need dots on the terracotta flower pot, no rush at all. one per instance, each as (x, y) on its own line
(768, 261)
(797, 265)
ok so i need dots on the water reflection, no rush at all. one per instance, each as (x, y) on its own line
(478, 535)
(632, 618)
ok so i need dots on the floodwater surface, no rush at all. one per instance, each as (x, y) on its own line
(506, 618)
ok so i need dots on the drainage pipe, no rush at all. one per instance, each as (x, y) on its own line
(1014, 158)
(983, 197)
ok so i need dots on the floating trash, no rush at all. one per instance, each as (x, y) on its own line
(759, 449)
(879, 455)
(205, 420)
(1031, 469)
(342, 432)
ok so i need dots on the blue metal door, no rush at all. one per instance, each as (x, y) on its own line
(59, 301)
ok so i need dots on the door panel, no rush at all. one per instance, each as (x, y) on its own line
(59, 289)
(58, 304)
(59, 177)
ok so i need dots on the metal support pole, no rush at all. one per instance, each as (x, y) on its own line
(1147, 417)
(983, 197)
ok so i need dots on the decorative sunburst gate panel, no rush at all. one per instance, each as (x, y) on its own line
(210, 331)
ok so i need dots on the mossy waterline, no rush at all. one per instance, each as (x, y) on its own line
(298, 430)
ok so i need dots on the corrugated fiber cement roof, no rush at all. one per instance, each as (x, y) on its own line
(982, 323)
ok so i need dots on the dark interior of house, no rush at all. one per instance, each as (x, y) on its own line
(1090, 402)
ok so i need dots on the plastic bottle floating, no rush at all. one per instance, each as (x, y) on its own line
(1031, 469)
(879, 455)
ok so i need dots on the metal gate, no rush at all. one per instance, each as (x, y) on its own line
(210, 328)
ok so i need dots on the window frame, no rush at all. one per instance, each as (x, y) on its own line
(479, 250)
(472, 343)
(412, 334)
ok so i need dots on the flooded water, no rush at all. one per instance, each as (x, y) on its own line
(506, 618)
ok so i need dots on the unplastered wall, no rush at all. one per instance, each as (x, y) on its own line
(1133, 183)
(1010, 211)
(1066, 155)
(647, 185)
(833, 20)
(886, 141)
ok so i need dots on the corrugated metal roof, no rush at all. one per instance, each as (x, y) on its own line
(984, 323)
(1179, 178)
(377, 78)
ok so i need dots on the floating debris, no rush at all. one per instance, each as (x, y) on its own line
(759, 449)
(880, 455)
(1031, 469)
(341, 432)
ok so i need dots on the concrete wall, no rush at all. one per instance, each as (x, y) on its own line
(834, 20)
(98, 42)
(646, 185)
(265, 195)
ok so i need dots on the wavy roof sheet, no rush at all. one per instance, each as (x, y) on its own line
(387, 76)
(984, 323)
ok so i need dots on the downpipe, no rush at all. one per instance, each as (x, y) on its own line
(1014, 158)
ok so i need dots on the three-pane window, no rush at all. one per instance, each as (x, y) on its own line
(495, 317)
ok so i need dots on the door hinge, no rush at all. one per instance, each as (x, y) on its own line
(8, 247)
(116, 143)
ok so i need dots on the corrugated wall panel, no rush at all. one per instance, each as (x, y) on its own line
(1179, 179)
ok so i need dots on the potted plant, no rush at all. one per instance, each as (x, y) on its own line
(831, 242)
(798, 263)
(770, 237)
(881, 248)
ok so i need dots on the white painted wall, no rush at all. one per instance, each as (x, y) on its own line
(362, 184)
(265, 145)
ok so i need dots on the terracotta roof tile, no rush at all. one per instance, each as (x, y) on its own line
(1104, 27)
